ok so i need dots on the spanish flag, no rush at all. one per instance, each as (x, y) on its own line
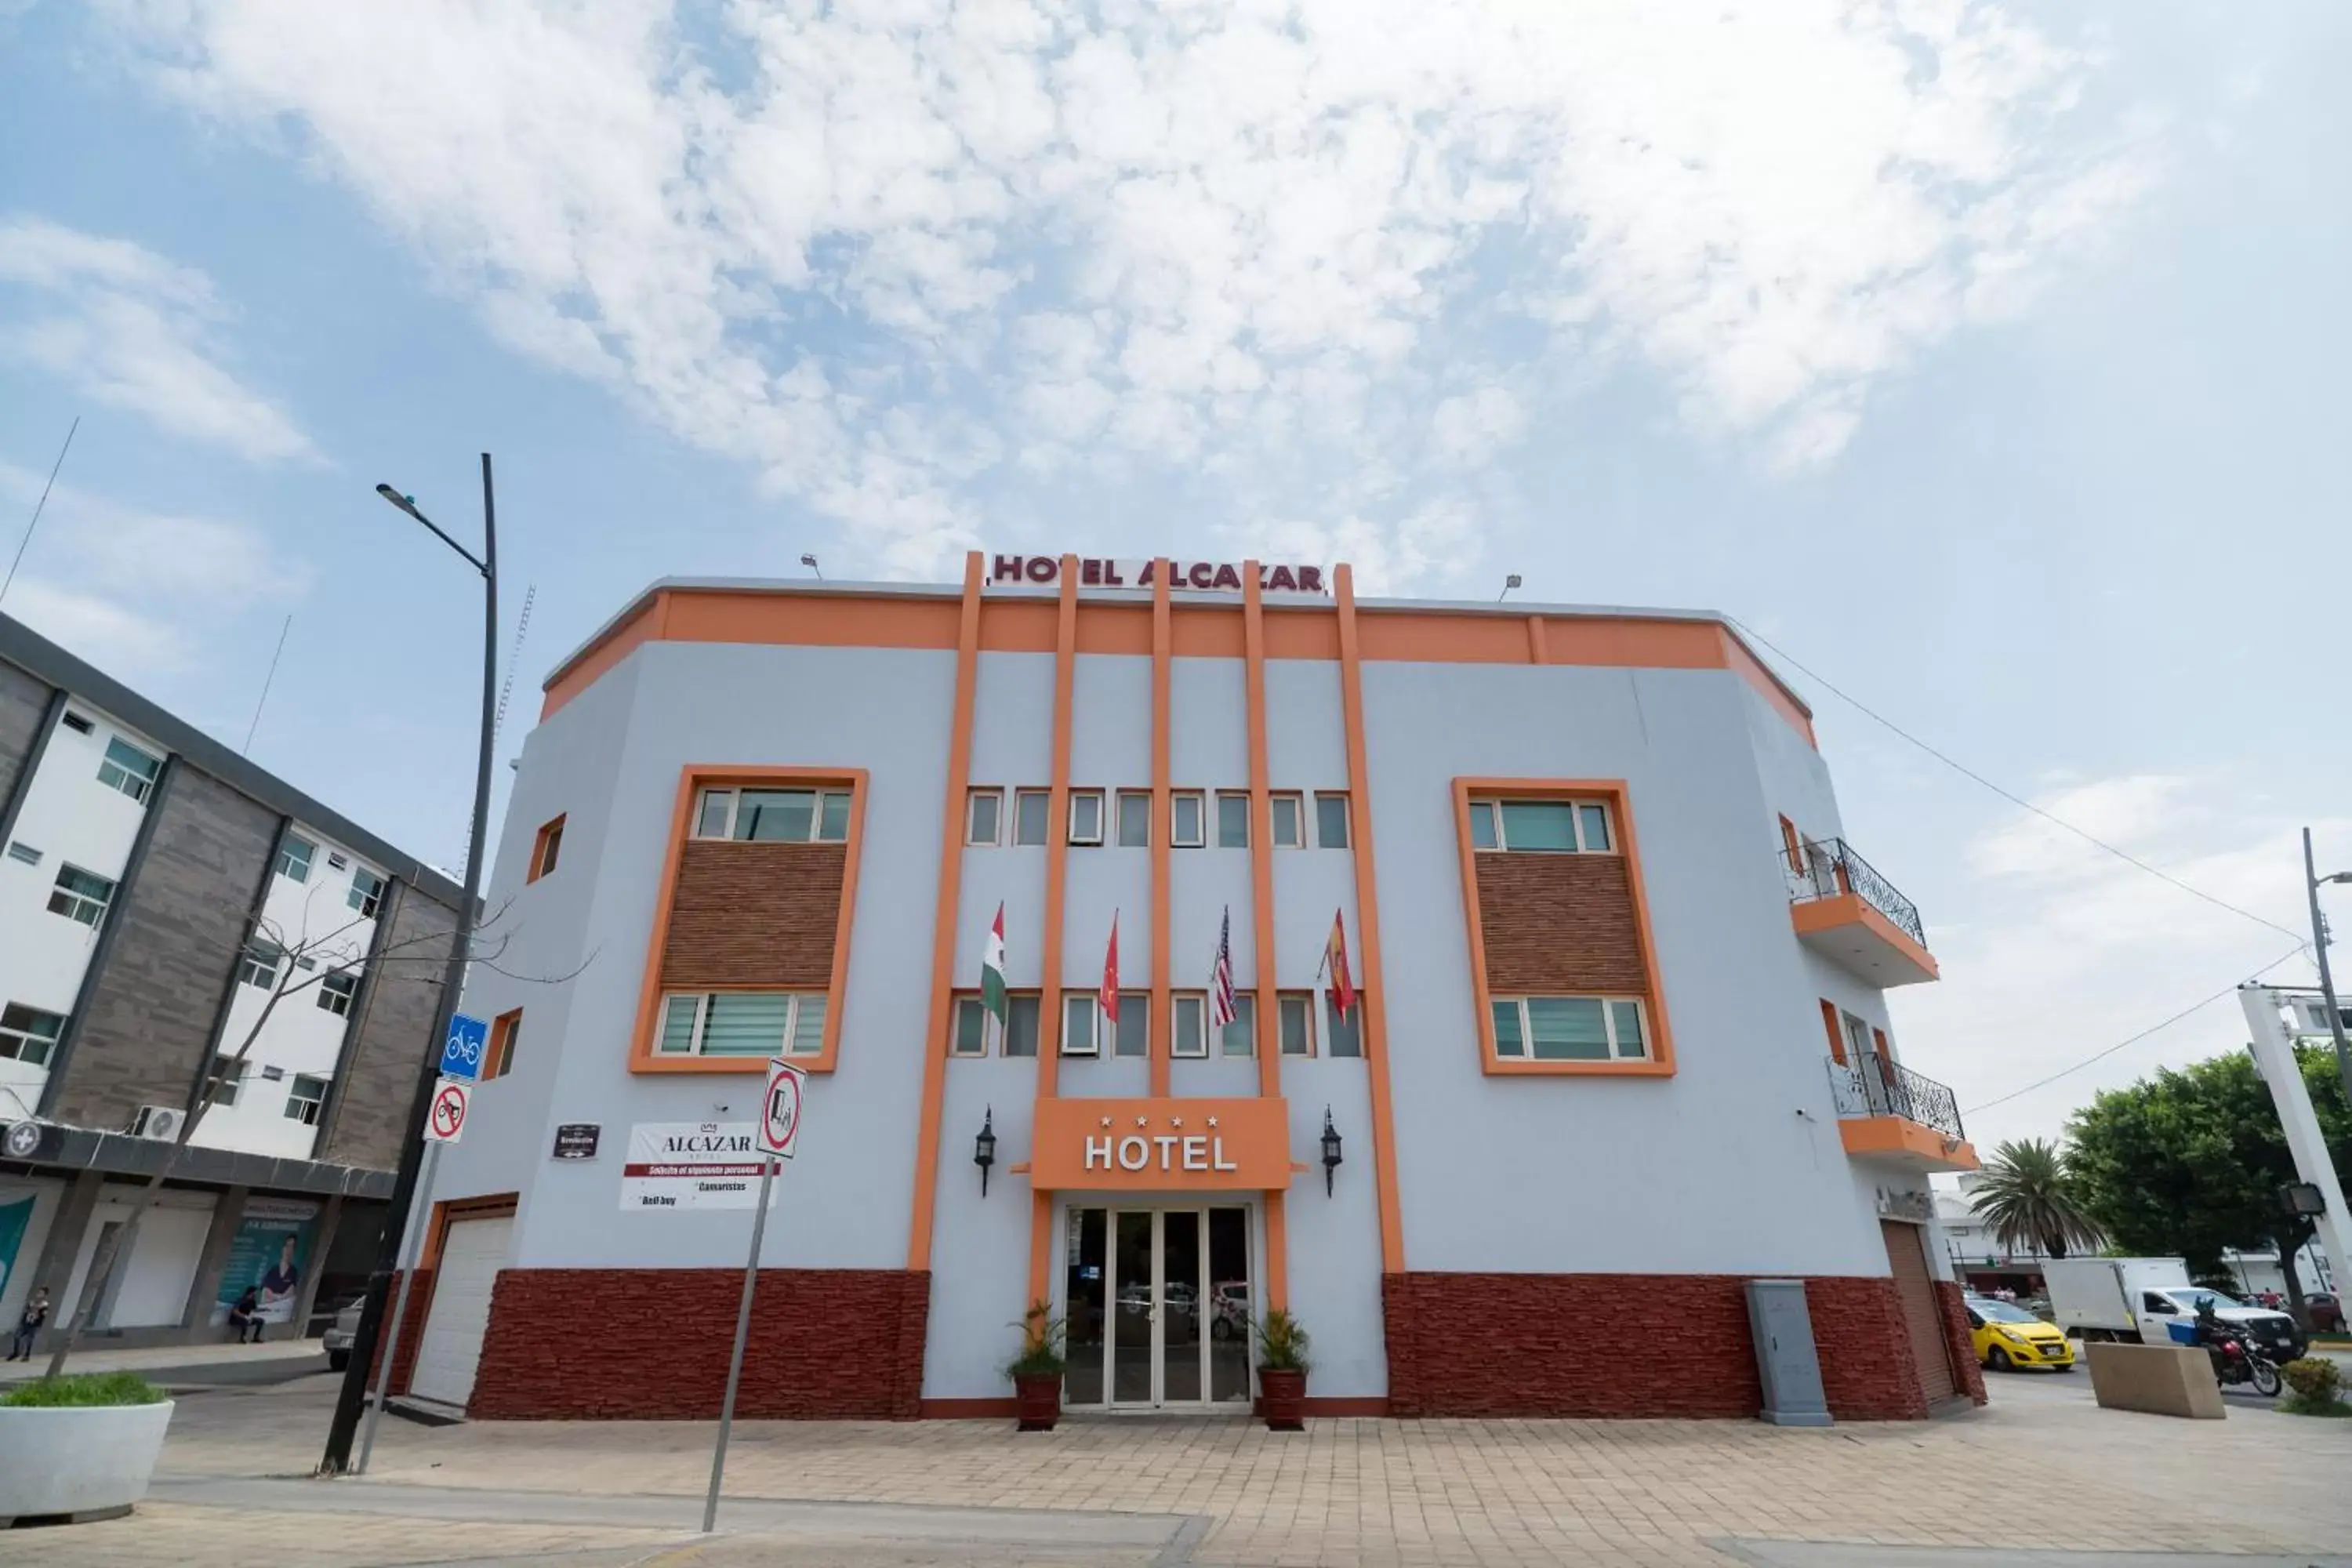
(1334, 960)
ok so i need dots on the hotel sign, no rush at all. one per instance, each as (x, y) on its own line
(1204, 576)
(692, 1165)
(1160, 1145)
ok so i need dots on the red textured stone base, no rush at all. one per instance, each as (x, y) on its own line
(1631, 1345)
(1967, 1370)
(651, 1344)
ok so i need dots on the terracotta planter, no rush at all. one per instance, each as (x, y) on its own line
(1283, 1396)
(1038, 1397)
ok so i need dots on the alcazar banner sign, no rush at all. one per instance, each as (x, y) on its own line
(1203, 576)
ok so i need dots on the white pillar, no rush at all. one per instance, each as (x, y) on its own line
(2275, 1059)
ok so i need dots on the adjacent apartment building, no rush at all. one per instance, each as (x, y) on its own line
(157, 891)
(1465, 979)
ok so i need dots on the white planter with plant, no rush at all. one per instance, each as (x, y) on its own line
(83, 1448)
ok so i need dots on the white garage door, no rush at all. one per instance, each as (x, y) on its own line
(471, 1255)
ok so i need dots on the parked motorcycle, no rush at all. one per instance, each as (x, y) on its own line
(2237, 1359)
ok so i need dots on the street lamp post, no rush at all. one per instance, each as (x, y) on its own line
(351, 1404)
(2312, 884)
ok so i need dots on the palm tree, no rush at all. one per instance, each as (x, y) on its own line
(2029, 1197)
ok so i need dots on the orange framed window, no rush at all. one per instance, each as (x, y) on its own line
(1792, 844)
(1570, 1029)
(506, 1029)
(546, 850)
(1510, 825)
(1835, 1030)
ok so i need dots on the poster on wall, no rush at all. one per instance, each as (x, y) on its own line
(692, 1165)
(270, 1257)
(16, 1216)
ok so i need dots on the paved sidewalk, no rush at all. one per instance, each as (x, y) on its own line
(2041, 1470)
(277, 1356)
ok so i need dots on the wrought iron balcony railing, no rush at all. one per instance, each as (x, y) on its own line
(1831, 868)
(1869, 1084)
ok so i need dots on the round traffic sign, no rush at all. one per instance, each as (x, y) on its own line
(448, 1113)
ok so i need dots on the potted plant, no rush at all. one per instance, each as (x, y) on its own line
(1282, 1368)
(79, 1447)
(1036, 1372)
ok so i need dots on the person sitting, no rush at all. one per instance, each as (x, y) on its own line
(245, 1317)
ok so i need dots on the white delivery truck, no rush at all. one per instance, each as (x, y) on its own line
(2152, 1300)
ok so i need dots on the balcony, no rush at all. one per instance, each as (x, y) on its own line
(1844, 911)
(1886, 1112)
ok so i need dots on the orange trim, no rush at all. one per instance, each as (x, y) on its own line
(1660, 1062)
(1040, 1222)
(1174, 1145)
(1794, 846)
(1206, 631)
(692, 778)
(1163, 665)
(1115, 628)
(449, 1211)
(591, 663)
(1836, 1029)
(546, 849)
(1878, 1038)
(1753, 670)
(1301, 631)
(1269, 1022)
(1850, 908)
(943, 918)
(1020, 626)
(1278, 1228)
(1058, 836)
(503, 1030)
(1905, 1139)
(1538, 651)
(1370, 995)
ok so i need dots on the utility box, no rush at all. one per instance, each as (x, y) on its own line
(1782, 1328)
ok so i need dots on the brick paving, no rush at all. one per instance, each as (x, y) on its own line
(2040, 1467)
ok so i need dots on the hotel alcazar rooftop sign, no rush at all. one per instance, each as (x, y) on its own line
(1203, 576)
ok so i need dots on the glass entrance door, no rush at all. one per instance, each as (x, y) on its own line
(1158, 1303)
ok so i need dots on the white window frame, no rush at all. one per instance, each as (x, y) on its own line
(366, 900)
(18, 1039)
(1087, 797)
(77, 901)
(956, 1009)
(339, 1002)
(1298, 804)
(1608, 1023)
(1078, 1005)
(1283, 1002)
(1199, 800)
(1347, 819)
(225, 1086)
(1118, 1041)
(1188, 1043)
(292, 866)
(703, 1020)
(248, 964)
(315, 1102)
(1355, 1022)
(711, 794)
(1013, 999)
(1246, 1020)
(1248, 826)
(973, 837)
(1142, 798)
(1045, 795)
(1492, 806)
(125, 782)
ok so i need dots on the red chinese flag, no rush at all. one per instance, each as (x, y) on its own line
(1335, 959)
(1110, 974)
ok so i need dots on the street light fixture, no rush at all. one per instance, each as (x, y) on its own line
(1330, 1150)
(2314, 882)
(353, 1401)
(983, 1147)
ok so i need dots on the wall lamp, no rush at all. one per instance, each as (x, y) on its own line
(983, 1147)
(1331, 1155)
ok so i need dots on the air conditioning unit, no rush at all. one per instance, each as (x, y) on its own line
(338, 862)
(158, 1121)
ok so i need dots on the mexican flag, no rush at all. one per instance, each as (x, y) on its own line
(992, 970)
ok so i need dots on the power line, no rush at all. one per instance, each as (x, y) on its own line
(1966, 772)
(9, 581)
(266, 682)
(2229, 990)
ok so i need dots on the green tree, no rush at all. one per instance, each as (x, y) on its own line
(2031, 1198)
(2191, 1161)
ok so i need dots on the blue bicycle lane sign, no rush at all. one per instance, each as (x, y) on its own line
(462, 1052)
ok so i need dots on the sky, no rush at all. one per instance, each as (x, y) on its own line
(1988, 360)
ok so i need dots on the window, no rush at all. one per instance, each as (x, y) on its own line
(1085, 816)
(1289, 822)
(1134, 819)
(78, 723)
(1185, 819)
(967, 1029)
(227, 1078)
(305, 1097)
(1021, 1015)
(79, 896)
(129, 770)
(740, 1024)
(545, 849)
(1569, 1029)
(1239, 1038)
(1541, 827)
(294, 853)
(1345, 1036)
(367, 893)
(506, 1030)
(1186, 1036)
(1232, 820)
(1296, 1014)
(1031, 809)
(983, 817)
(1132, 1037)
(1331, 821)
(336, 991)
(1079, 1009)
(29, 1035)
(20, 850)
(774, 815)
(260, 964)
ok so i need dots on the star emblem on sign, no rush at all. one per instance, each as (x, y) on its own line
(1175, 1122)
(1106, 1122)
(1212, 1121)
(1143, 1121)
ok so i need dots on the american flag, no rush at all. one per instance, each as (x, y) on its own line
(1220, 976)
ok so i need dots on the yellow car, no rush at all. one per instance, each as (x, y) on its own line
(2006, 1338)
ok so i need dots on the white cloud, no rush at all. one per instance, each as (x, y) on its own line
(133, 330)
(1269, 243)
